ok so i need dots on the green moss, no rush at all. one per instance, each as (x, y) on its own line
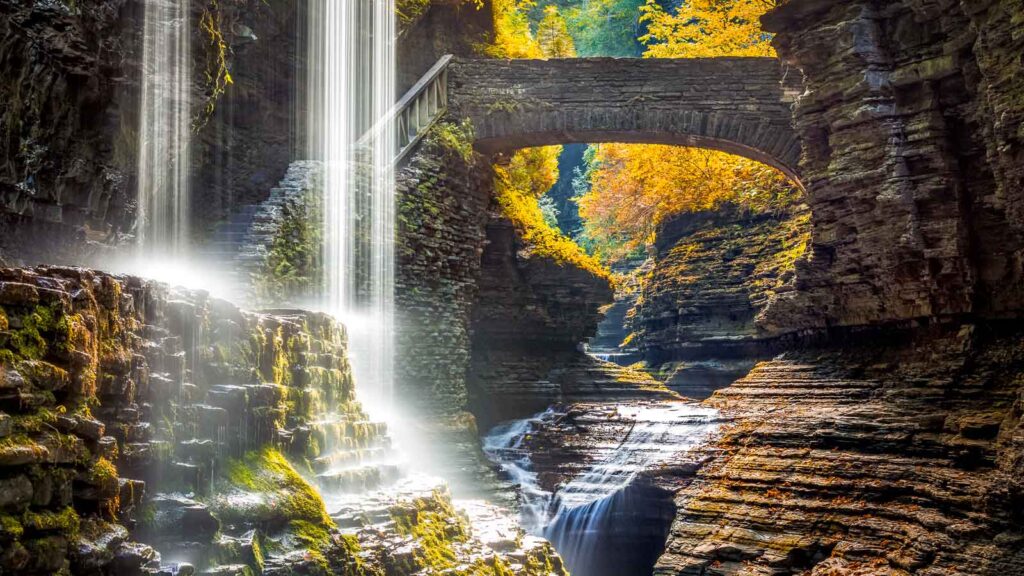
(457, 138)
(293, 267)
(28, 341)
(269, 472)
(313, 536)
(436, 526)
(102, 472)
(41, 420)
(65, 521)
(10, 527)
(19, 440)
(216, 74)
(408, 11)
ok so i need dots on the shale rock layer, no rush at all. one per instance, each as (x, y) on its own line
(897, 457)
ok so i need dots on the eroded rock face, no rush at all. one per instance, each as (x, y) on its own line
(528, 324)
(897, 453)
(909, 121)
(62, 66)
(115, 391)
(442, 212)
(714, 272)
(72, 74)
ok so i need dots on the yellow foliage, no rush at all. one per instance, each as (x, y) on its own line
(512, 36)
(518, 186)
(706, 28)
(514, 39)
(553, 35)
(534, 170)
(635, 187)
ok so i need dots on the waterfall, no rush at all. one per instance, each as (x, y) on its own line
(577, 516)
(351, 90)
(164, 124)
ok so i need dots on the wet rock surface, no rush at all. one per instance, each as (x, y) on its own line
(896, 454)
(415, 527)
(598, 479)
(131, 411)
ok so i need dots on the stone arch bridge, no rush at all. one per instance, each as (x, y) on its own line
(736, 105)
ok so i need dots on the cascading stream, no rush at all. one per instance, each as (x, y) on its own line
(576, 518)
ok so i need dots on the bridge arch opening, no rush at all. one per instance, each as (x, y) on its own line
(507, 145)
(624, 193)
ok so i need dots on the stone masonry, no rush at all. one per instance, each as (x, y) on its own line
(738, 105)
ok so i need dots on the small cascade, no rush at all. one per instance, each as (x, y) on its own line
(581, 516)
(164, 131)
(504, 444)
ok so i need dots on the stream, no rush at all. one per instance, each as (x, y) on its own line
(585, 517)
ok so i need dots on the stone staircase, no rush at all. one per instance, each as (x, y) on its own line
(240, 246)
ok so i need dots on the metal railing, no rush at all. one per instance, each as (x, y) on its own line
(418, 110)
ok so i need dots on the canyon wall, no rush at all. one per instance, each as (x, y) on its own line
(70, 118)
(894, 448)
(885, 453)
(909, 121)
(443, 194)
(61, 167)
(483, 323)
(713, 274)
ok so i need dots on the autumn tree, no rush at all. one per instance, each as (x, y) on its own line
(519, 186)
(553, 35)
(633, 188)
(707, 28)
(512, 35)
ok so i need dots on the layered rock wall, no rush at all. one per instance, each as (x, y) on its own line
(886, 453)
(714, 272)
(911, 150)
(442, 204)
(529, 323)
(72, 77)
(66, 156)
(118, 396)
